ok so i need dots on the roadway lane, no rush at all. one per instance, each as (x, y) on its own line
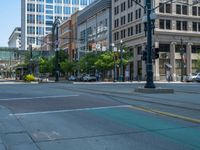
(111, 128)
(59, 117)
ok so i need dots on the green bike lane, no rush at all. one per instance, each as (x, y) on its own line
(171, 130)
(112, 128)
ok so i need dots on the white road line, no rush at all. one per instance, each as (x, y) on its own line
(41, 97)
(70, 110)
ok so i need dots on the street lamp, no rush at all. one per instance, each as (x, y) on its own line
(182, 50)
(115, 67)
(149, 66)
(31, 59)
(55, 45)
(121, 61)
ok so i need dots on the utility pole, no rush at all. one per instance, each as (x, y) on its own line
(149, 65)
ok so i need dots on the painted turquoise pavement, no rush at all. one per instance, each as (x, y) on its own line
(176, 131)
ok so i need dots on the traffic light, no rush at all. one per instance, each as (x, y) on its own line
(144, 55)
(155, 53)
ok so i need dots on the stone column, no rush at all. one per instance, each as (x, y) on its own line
(189, 58)
(156, 70)
(135, 61)
(143, 65)
(173, 60)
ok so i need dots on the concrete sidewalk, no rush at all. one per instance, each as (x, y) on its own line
(12, 134)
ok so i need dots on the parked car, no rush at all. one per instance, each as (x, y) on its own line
(72, 78)
(197, 77)
(88, 77)
(192, 77)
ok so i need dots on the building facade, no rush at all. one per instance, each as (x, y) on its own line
(68, 36)
(176, 32)
(46, 44)
(15, 39)
(94, 27)
(37, 17)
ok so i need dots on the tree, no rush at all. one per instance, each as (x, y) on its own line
(105, 61)
(198, 62)
(87, 63)
(66, 66)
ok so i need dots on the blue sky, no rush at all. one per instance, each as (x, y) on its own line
(10, 16)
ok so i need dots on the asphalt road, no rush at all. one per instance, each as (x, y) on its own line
(99, 117)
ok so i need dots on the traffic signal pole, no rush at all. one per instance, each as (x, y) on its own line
(149, 65)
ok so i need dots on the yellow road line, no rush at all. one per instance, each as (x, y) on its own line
(189, 119)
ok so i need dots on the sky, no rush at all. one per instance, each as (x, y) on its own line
(10, 17)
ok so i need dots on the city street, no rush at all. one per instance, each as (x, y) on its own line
(98, 116)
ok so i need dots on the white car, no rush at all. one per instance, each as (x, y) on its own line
(197, 77)
(192, 77)
(88, 77)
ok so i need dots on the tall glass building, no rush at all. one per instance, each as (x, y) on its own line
(37, 17)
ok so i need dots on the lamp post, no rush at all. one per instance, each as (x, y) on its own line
(149, 66)
(115, 67)
(55, 45)
(121, 61)
(182, 62)
(31, 59)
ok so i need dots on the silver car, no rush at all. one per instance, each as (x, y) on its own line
(88, 77)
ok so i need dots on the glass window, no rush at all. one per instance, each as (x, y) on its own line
(67, 1)
(164, 47)
(49, 6)
(168, 8)
(58, 9)
(40, 31)
(40, 8)
(40, 19)
(49, 11)
(30, 30)
(67, 10)
(49, 1)
(49, 23)
(168, 24)
(48, 17)
(30, 40)
(194, 26)
(31, 7)
(178, 9)
(162, 24)
(30, 18)
(194, 11)
(184, 25)
(199, 26)
(75, 2)
(161, 7)
(198, 11)
(184, 10)
(178, 25)
(83, 2)
(58, 1)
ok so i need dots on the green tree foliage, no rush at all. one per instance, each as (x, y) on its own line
(45, 65)
(87, 62)
(198, 62)
(66, 66)
(105, 61)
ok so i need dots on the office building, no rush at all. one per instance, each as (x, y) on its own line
(94, 27)
(68, 36)
(15, 39)
(176, 33)
(37, 17)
